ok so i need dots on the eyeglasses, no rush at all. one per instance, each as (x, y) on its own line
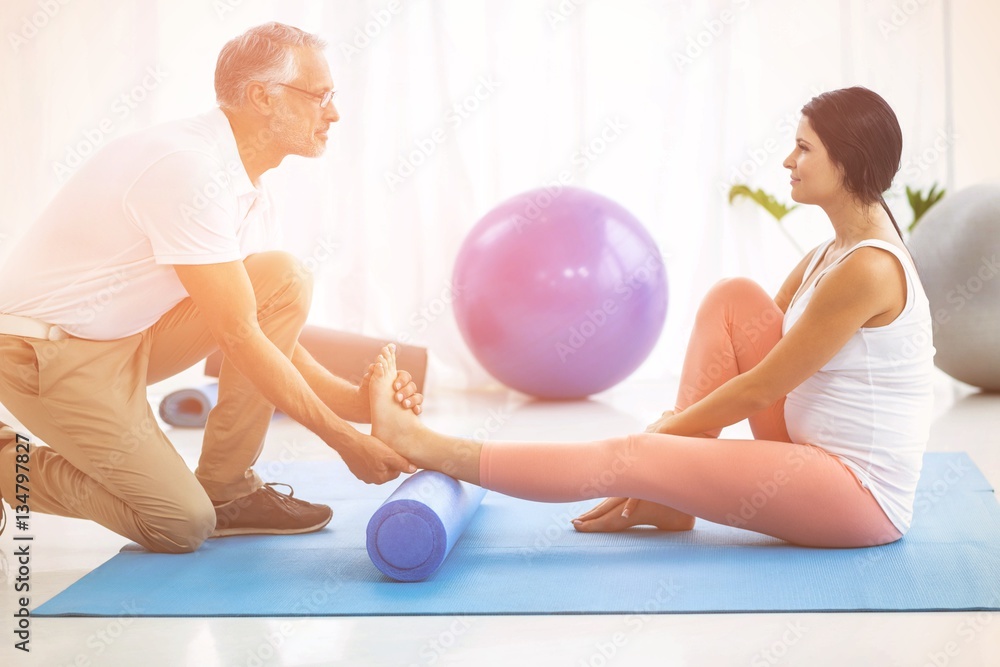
(324, 99)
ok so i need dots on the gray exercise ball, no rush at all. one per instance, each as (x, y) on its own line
(956, 249)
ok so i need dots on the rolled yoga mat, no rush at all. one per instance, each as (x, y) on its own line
(189, 407)
(410, 535)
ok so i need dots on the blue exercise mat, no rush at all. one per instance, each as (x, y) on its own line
(519, 557)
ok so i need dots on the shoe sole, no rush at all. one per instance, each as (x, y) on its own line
(230, 532)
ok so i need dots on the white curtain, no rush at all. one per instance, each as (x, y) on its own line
(701, 93)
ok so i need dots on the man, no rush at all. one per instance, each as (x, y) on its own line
(156, 253)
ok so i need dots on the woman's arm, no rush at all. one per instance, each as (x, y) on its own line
(866, 284)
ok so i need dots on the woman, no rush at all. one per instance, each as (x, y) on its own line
(834, 374)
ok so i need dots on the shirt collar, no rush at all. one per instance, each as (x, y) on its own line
(230, 153)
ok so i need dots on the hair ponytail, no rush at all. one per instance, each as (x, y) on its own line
(885, 207)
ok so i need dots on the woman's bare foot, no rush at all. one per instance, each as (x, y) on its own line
(393, 424)
(607, 517)
(400, 429)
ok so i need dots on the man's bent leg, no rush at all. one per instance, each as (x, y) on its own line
(108, 460)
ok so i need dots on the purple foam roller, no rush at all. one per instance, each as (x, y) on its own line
(412, 532)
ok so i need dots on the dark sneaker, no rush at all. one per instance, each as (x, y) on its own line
(268, 512)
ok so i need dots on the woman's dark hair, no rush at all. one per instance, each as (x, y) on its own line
(862, 137)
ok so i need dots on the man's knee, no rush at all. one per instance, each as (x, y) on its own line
(280, 279)
(184, 532)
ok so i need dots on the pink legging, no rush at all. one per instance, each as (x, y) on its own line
(795, 492)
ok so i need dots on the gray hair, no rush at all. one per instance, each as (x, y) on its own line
(263, 53)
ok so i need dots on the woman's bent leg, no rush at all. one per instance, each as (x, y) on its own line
(737, 324)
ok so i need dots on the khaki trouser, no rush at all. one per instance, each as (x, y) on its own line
(107, 458)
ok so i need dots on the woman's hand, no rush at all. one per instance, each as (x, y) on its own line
(611, 516)
(661, 424)
(615, 514)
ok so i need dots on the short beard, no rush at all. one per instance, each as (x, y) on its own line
(289, 133)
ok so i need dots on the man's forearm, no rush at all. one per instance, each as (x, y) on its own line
(278, 380)
(337, 393)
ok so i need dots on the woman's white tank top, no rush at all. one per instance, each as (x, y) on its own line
(871, 404)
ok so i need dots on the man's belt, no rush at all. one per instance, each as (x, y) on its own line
(18, 325)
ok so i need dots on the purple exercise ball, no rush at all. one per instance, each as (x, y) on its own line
(560, 292)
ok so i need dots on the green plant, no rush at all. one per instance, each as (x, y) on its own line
(766, 201)
(920, 203)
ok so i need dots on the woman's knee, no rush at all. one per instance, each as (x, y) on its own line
(742, 304)
(733, 290)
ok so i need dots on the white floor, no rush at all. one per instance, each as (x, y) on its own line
(65, 549)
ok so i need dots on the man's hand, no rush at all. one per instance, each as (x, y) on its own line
(372, 461)
(406, 391)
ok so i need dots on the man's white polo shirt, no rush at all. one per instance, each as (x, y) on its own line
(97, 263)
